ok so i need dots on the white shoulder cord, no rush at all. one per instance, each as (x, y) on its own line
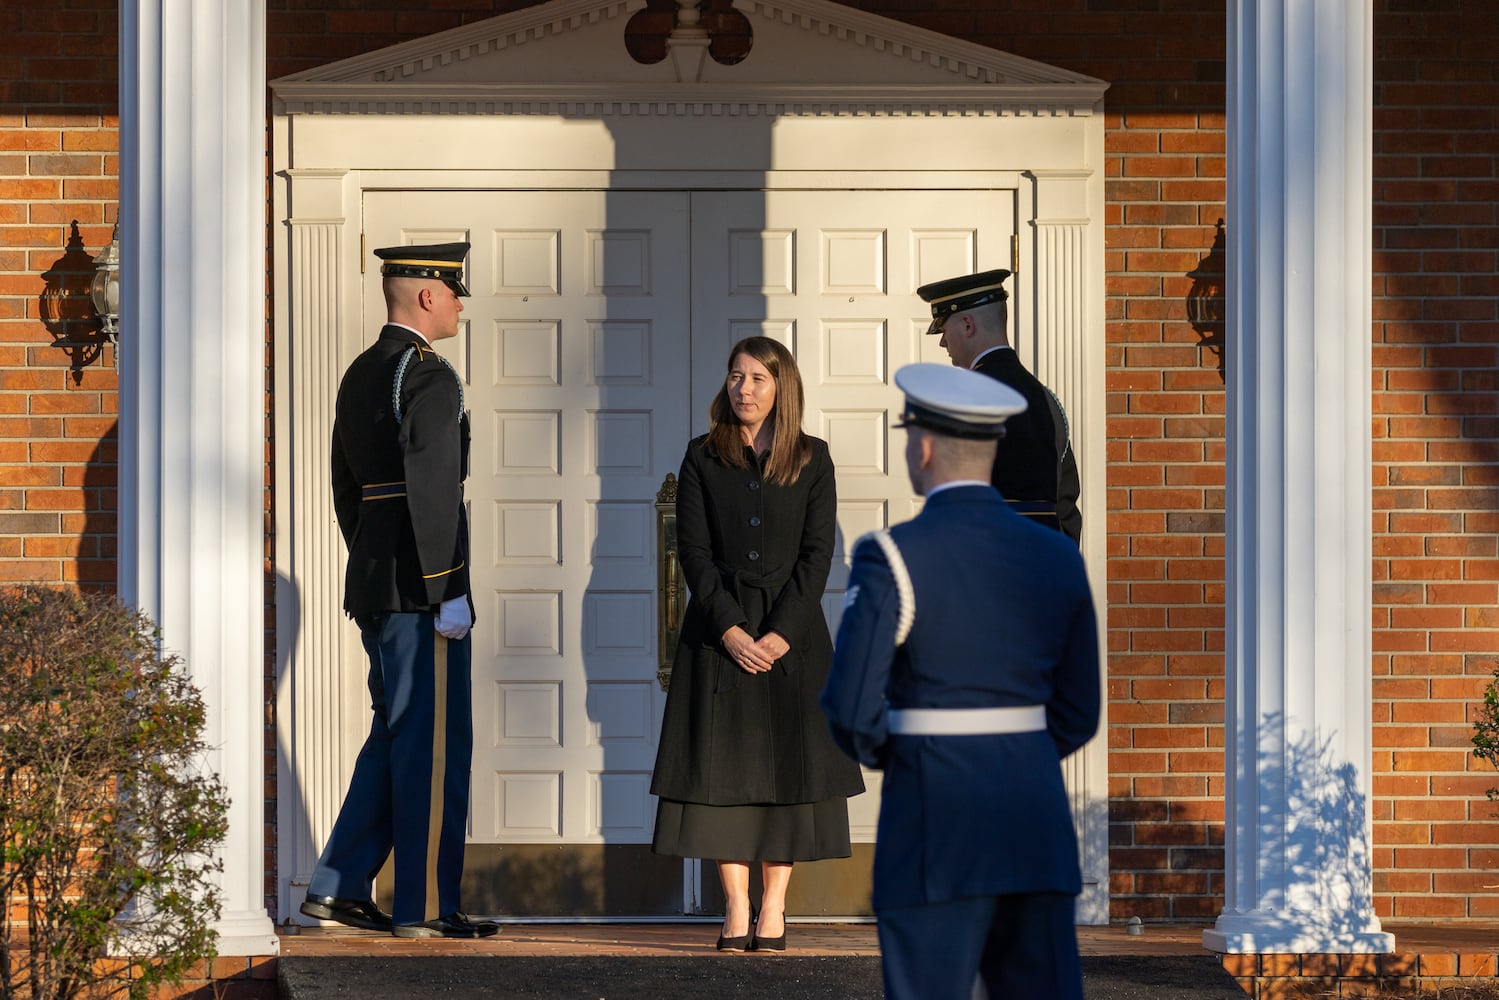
(903, 589)
(395, 389)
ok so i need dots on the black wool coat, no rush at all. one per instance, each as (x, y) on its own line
(754, 554)
(1034, 460)
(409, 551)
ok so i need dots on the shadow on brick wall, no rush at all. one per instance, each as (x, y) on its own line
(1206, 310)
(96, 567)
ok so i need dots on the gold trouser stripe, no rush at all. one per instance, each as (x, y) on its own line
(439, 766)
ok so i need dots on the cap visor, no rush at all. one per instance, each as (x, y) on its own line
(458, 287)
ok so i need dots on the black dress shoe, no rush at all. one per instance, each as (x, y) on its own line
(454, 925)
(361, 913)
(483, 924)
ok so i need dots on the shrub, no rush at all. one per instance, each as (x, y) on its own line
(1486, 729)
(107, 821)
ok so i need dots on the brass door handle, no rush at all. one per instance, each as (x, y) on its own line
(673, 591)
(669, 586)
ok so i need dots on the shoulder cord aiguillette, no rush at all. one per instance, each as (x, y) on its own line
(395, 389)
(903, 589)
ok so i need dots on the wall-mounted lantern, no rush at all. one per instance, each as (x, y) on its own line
(105, 288)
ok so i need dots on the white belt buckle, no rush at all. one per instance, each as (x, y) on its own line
(966, 721)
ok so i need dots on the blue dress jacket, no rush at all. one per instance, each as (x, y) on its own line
(1003, 617)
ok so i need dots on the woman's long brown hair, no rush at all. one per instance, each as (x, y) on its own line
(789, 450)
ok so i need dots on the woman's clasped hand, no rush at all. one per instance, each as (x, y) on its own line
(755, 656)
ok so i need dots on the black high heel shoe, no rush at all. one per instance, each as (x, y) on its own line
(758, 943)
(743, 942)
(740, 943)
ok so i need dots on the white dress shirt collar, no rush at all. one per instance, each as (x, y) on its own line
(1001, 347)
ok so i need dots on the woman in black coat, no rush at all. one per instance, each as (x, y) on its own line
(746, 769)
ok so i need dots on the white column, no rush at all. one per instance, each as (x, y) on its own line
(192, 388)
(1298, 737)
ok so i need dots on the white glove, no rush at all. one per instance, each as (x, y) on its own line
(453, 618)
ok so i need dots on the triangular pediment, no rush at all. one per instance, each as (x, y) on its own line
(569, 56)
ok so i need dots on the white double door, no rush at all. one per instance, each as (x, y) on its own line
(595, 337)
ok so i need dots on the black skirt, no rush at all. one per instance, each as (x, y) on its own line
(806, 831)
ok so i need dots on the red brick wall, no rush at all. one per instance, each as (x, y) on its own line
(1436, 436)
(1436, 455)
(58, 189)
(304, 34)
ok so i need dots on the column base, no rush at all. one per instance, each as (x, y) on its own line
(239, 935)
(1296, 934)
(246, 934)
(1092, 907)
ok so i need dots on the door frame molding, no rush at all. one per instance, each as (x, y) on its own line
(325, 158)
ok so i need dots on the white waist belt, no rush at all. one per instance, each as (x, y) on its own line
(965, 721)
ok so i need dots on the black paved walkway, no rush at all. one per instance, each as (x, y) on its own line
(711, 977)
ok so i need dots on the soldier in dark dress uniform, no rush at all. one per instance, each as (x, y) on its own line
(1035, 469)
(966, 668)
(400, 455)
(746, 770)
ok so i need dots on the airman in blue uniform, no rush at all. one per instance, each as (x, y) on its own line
(966, 668)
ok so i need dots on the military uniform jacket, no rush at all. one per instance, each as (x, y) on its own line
(754, 554)
(1034, 460)
(1003, 617)
(409, 551)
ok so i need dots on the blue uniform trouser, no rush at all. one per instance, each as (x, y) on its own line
(1018, 947)
(409, 792)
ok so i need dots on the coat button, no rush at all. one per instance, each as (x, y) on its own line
(754, 484)
(753, 555)
(754, 522)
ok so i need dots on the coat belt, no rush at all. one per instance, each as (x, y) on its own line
(966, 721)
(735, 581)
(384, 491)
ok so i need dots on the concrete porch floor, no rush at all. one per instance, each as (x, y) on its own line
(1164, 962)
(661, 961)
(686, 939)
(813, 939)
